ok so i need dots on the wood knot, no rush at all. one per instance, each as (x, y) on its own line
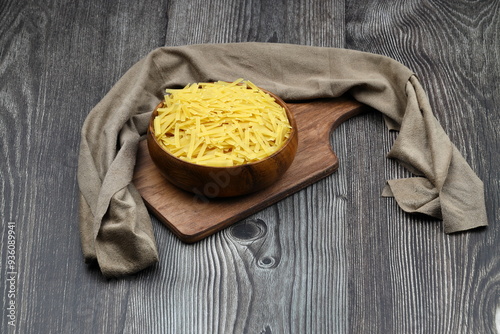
(248, 230)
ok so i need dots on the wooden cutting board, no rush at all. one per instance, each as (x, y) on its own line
(193, 217)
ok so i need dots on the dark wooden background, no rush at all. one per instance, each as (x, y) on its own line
(333, 258)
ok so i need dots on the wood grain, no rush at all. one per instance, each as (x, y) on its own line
(305, 22)
(332, 258)
(194, 216)
(57, 60)
(426, 275)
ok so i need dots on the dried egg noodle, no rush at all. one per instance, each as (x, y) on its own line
(221, 124)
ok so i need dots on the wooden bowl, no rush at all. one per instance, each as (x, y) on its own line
(211, 182)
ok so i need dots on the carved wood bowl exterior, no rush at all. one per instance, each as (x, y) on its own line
(212, 182)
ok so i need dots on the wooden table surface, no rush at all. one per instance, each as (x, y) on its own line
(333, 258)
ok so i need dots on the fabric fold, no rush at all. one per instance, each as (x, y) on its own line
(115, 226)
(424, 148)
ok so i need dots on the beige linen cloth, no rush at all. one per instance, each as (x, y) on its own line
(115, 226)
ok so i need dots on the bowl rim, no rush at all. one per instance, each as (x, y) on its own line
(293, 133)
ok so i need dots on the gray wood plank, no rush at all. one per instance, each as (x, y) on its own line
(407, 277)
(58, 59)
(293, 293)
(319, 23)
